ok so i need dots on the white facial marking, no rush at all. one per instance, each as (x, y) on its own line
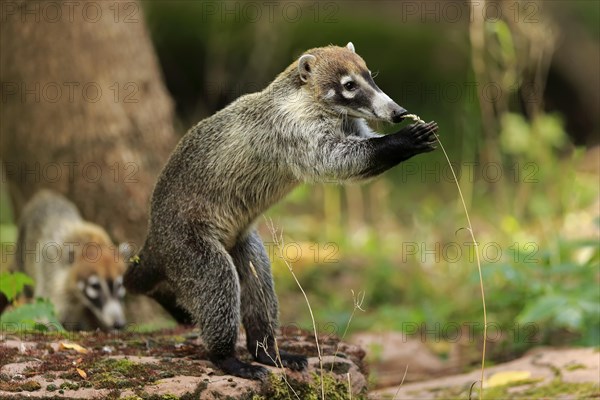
(365, 111)
(91, 292)
(345, 79)
(112, 313)
(381, 105)
(118, 288)
(349, 94)
(330, 94)
(93, 279)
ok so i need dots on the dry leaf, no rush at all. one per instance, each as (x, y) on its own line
(506, 377)
(81, 373)
(72, 346)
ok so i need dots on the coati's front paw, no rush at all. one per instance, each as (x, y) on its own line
(294, 362)
(421, 137)
(235, 367)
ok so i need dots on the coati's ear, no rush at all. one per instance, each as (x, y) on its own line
(305, 66)
(350, 47)
(126, 250)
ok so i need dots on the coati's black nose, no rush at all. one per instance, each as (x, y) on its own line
(119, 325)
(398, 113)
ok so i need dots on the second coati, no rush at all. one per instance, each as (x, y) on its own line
(202, 258)
(73, 263)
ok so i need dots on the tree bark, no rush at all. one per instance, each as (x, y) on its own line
(84, 109)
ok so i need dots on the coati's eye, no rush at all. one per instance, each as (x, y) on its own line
(350, 86)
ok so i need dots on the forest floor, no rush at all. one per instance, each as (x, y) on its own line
(164, 365)
(172, 364)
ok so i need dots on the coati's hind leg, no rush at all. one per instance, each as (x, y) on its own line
(207, 287)
(259, 304)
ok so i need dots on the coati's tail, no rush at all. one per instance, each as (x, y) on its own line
(142, 277)
(165, 296)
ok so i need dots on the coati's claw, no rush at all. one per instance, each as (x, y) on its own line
(294, 362)
(235, 367)
(422, 136)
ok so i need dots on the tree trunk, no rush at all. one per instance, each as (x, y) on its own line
(84, 109)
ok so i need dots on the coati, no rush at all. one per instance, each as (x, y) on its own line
(73, 263)
(202, 258)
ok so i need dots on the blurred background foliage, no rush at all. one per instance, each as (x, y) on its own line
(516, 98)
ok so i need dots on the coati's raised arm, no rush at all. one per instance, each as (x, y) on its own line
(339, 159)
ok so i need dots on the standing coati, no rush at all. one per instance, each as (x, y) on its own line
(202, 258)
(73, 263)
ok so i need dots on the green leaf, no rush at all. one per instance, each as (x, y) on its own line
(543, 308)
(515, 134)
(550, 129)
(11, 284)
(505, 39)
(570, 317)
(38, 316)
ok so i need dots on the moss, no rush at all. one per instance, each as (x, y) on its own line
(114, 394)
(334, 389)
(554, 389)
(69, 385)
(197, 392)
(27, 386)
(121, 373)
(557, 387)
(574, 366)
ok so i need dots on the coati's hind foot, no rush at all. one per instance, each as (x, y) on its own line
(235, 367)
(294, 362)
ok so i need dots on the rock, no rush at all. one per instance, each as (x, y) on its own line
(552, 373)
(391, 354)
(166, 363)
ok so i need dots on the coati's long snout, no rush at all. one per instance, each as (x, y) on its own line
(387, 110)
